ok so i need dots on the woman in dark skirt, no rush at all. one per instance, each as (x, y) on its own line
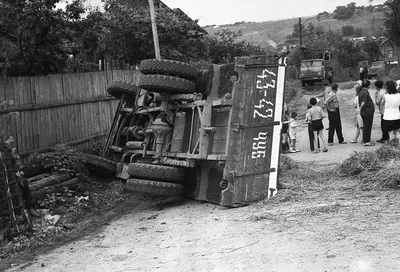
(316, 115)
(391, 115)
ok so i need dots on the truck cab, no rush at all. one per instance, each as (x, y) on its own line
(315, 70)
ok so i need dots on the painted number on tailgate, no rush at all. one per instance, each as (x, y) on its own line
(265, 82)
(259, 146)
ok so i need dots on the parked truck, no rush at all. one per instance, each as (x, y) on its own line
(316, 70)
(377, 68)
(211, 135)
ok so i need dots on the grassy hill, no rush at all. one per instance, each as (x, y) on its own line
(272, 33)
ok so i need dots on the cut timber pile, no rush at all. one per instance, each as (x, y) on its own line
(44, 184)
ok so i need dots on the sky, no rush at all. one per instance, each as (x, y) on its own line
(218, 12)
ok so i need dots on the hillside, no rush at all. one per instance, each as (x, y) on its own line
(272, 33)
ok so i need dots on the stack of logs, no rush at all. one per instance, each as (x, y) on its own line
(46, 183)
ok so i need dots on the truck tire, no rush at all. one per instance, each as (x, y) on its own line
(303, 83)
(100, 164)
(161, 83)
(154, 187)
(168, 67)
(119, 88)
(156, 172)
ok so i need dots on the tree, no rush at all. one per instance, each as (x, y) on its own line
(8, 50)
(92, 34)
(370, 8)
(36, 31)
(392, 23)
(349, 54)
(224, 47)
(347, 30)
(344, 12)
(316, 41)
(296, 30)
(372, 49)
(130, 35)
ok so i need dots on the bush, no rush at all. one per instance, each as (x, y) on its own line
(225, 83)
(204, 81)
(290, 91)
(381, 73)
(347, 30)
(394, 73)
(96, 146)
(61, 159)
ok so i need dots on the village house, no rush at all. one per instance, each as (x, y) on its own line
(388, 51)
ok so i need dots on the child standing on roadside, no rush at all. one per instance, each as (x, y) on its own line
(292, 132)
(357, 118)
(310, 131)
(316, 116)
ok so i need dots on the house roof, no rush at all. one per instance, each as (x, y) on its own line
(183, 15)
(384, 42)
(176, 11)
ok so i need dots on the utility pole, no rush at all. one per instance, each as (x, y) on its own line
(154, 29)
(301, 40)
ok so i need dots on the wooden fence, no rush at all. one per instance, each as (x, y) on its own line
(62, 108)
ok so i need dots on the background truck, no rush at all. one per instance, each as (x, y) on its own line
(377, 67)
(315, 70)
(211, 135)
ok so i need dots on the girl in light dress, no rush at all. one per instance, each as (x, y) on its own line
(357, 117)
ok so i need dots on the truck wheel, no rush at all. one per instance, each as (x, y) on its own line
(168, 67)
(303, 83)
(156, 172)
(154, 187)
(161, 83)
(100, 164)
(119, 88)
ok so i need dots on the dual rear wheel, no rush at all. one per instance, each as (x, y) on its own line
(158, 76)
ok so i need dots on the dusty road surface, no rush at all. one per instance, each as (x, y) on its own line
(327, 226)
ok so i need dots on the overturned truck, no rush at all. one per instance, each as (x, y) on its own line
(211, 135)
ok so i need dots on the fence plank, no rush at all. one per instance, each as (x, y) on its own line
(68, 108)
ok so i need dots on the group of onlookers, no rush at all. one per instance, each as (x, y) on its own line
(387, 100)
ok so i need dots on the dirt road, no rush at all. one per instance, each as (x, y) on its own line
(316, 230)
